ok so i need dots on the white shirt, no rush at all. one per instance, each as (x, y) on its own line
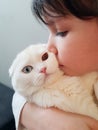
(17, 104)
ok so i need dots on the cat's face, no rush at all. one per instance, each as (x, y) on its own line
(33, 68)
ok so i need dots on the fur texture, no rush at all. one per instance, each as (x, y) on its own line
(36, 75)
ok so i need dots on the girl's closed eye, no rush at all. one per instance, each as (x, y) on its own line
(62, 34)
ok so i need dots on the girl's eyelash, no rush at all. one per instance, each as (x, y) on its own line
(62, 34)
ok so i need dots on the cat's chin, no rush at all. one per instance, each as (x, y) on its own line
(43, 80)
(50, 78)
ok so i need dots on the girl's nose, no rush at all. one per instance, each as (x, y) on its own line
(51, 46)
(53, 49)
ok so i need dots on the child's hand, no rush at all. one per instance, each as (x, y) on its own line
(36, 118)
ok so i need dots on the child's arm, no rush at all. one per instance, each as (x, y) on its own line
(17, 105)
(34, 117)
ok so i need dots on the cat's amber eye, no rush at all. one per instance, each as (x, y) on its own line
(45, 56)
(27, 69)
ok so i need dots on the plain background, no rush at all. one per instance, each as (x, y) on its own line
(18, 29)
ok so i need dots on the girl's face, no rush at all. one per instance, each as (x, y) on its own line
(75, 42)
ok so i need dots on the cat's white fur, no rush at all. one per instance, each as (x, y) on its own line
(53, 88)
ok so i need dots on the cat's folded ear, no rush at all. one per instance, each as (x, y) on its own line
(11, 69)
(13, 66)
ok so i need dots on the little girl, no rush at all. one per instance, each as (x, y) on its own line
(73, 38)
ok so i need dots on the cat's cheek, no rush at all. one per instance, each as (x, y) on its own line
(39, 80)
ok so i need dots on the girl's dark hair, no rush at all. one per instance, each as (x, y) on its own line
(83, 9)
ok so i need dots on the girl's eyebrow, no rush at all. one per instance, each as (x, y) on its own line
(52, 20)
(49, 23)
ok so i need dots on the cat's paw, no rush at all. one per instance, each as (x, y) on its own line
(49, 98)
(43, 99)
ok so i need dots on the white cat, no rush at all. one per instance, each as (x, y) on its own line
(36, 75)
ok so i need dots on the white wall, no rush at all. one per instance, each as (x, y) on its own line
(18, 29)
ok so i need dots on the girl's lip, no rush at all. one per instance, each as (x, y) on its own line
(61, 67)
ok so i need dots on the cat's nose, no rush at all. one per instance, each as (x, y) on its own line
(43, 70)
